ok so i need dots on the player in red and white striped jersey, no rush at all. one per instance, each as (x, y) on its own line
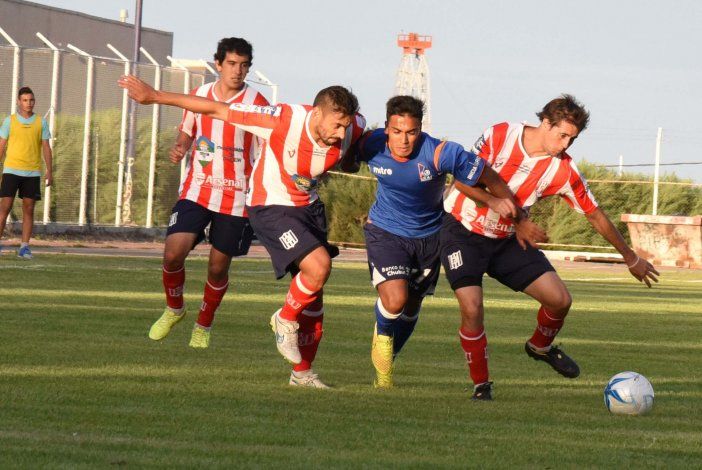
(475, 240)
(301, 144)
(213, 192)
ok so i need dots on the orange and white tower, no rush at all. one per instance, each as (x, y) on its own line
(413, 73)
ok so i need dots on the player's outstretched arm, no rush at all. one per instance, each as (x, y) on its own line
(641, 269)
(144, 93)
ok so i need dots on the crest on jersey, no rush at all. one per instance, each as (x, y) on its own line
(424, 173)
(204, 145)
(478, 145)
(304, 183)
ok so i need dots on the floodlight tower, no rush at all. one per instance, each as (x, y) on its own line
(413, 73)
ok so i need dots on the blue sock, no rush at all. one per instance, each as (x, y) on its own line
(385, 325)
(404, 327)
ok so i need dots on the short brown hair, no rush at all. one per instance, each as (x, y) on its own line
(565, 108)
(25, 90)
(340, 99)
(404, 104)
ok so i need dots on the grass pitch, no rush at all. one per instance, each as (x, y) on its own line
(81, 385)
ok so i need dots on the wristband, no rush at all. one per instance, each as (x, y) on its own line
(635, 262)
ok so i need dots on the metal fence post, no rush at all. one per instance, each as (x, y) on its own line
(15, 70)
(656, 171)
(86, 136)
(154, 143)
(52, 114)
(122, 140)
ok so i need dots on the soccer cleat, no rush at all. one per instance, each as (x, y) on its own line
(482, 391)
(200, 338)
(286, 337)
(382, 357)
(24, 252)
(309, 379)
(556, 358)
(163, 325)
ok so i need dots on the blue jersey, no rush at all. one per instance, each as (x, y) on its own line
(409, 200)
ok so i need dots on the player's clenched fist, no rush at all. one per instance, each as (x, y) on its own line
(177, 153)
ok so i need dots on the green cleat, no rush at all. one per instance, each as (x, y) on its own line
(163, 325)
(381, 355)
(200, 338)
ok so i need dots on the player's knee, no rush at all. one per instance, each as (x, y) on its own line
(217, 273)
(560, 302)
(471, 308)
(172, 260)
(316, 277)
(394, 301)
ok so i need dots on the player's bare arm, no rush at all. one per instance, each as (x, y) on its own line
(3, 146)
(180, 147)
(640, 268)
(144, 93)
(48, 159)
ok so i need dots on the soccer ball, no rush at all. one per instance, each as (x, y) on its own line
(628, 393)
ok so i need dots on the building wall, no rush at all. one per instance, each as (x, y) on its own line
(21, 20)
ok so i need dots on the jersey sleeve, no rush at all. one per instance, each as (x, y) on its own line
(188, 125)
(577, 193)
(466, 167)
(5, 128)
(370, 144)
(256, 119)
(45, 132)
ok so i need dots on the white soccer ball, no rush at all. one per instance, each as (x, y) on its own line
(628, 393)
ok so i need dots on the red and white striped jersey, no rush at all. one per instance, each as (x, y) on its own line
(222, 156)
(291, 161)
(529, 178)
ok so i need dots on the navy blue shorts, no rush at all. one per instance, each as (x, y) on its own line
(391, 256)
(229, 234)
(290, 233)
(27, 186)
(466, 256)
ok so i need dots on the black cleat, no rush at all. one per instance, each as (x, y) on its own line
(482, 392)
(557, 359)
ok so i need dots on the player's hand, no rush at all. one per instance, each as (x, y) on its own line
(643, 271)
(177, 153)
(503, 206)
(137, 89)
(49, 178)
(528, 233)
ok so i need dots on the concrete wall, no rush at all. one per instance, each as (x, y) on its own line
(21, 20)
(666, 240)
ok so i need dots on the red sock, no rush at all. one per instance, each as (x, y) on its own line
(173, 282)
(308, 338)
(210, 301)
(298, 299)
(546, 330)
(474, 344)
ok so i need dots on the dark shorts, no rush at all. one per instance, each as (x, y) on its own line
(290, 233)
(392, 256)
(466, 256)
(229, 234)
(28, 186)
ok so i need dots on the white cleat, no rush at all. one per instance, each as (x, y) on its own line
(308, 379)
(286, 337)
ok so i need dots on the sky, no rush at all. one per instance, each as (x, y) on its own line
(634, 64)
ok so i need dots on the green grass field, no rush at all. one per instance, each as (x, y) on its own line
(81, 385)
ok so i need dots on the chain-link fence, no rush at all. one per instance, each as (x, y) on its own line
(86, 112)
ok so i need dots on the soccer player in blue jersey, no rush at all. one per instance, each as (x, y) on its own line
(402, 232)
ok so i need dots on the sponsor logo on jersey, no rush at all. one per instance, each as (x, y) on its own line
(379, 170)
(254, 108)
(304, 183)
(288, 240)
(221, 184)
(232, 154)
(204, 145)
(492, 225)
(424, 173)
